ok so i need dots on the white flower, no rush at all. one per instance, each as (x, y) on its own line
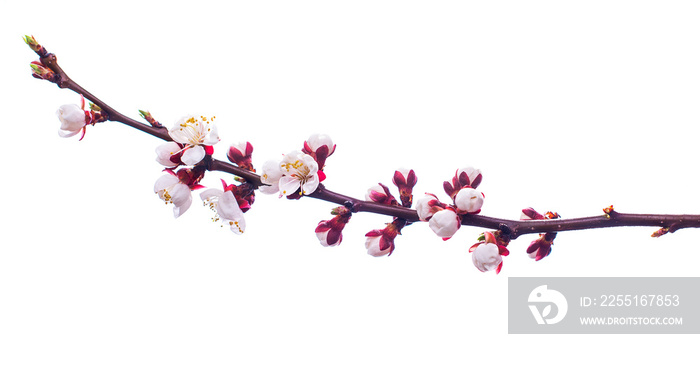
(165, 151)
(194, 133)
(171, 190)
(226, 207)
(469, 200)
(427, 206)
(445, 223)
(486, 257)
(270, 175)
(72, 119)
(315, 141)
(299, 172)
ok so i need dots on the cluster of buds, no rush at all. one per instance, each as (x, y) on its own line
(40, 68)
(446, 219)
(542, 246)
(487, 254)
(380, 242)
(299, 172)
(188, 156)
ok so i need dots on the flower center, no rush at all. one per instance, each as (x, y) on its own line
(195, 131)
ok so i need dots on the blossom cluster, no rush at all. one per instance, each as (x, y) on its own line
(188, 155)
(298, 173)
(445, 219)
(380, 242)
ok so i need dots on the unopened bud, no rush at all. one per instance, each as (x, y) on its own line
(39, 71)
(31, 41)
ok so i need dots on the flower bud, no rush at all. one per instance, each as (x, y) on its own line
(469, 200)
(468, 176)
(320, 147)
(376, 246)
(146, 115)
(241, 155)
(318, 140)
(330, 232)
(486, 257)
(381, 242)
(405, 180)
(39, 71)
(380, 194)
(72, 119)
(427, 206)
(31, 41)
(541, 247)
(445, 223)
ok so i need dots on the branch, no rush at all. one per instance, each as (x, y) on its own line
(382, 203)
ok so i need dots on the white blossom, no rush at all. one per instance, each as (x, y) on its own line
(227, 210)
(445, 223)
(486, 257)
(165, 151)
(299, 172)
(427, 206)
(469, 200)
(194, 133)
(171, 190)
(315, 141)
(270, 176)
(72, 119)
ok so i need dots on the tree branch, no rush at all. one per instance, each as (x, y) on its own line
(508, 228)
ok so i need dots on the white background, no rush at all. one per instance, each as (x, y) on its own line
(564, 106)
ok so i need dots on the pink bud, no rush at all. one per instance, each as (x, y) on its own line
(320, 147)
(241, 155)
(468, 176)
(405, 180)
(380, 194)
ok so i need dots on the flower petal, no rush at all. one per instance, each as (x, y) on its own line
(180, 209)
(310, 184)
(288, 185)
(193, 155)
